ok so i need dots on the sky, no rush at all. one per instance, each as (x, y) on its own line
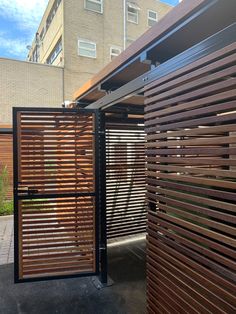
(19, 20)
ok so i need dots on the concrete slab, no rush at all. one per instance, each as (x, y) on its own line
(6, 240)
(79, 295)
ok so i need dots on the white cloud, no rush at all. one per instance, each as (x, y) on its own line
(14, 47)
(26, 13)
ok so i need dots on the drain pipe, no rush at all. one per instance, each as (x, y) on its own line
(125, 24)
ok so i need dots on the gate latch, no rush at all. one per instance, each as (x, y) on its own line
(27, 190)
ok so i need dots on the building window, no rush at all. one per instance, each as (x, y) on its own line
(87, 49)
(55, 52)
(42, 33)
(52, 13)
(36, 54)
(132, 13)
(94, 5)
(114, 52)
(152, 18)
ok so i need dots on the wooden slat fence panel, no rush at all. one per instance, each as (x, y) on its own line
(6, 159)
(56, 225)
(125, 180)
(56, 152)
(57, 236)
(190, 120)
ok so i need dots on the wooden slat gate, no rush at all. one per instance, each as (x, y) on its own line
(55, 193)
(125, 178)
(191, 148)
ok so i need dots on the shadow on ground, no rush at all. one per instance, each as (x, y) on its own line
(78, 295)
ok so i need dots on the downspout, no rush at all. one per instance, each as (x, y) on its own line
(125, 24)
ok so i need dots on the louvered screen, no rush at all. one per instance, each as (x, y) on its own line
(190, 122)
(55, 193)
(6, 160)
(125, 179)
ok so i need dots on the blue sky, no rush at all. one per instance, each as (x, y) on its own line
(171, 2)
(19, 20)
(18, 23)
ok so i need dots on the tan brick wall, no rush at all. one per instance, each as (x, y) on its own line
(72, 21)
(51, 38)
(51, 35)
(104, 29)
(28, 85)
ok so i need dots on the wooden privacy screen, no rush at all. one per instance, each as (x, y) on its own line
(55, 197)
(6, 159)
(55, 152)
(125, 179)
(191, 176)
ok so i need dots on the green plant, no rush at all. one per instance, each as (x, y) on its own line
(4, 186)
(6, 208)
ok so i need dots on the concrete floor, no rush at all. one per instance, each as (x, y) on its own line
(78, 295)
(6, 240)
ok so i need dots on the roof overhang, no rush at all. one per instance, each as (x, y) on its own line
(186, 25)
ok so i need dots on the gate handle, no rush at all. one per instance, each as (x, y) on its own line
(32, 191)
(28, 190)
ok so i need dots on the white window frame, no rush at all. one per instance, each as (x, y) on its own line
(96, 2)
(52, 13)
(42, 33)
(55, 52)
(113, 54)
(87, 42)
(133, 14)
(151, 18)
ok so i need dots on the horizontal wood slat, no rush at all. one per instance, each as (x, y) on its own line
(125, 180)
(6, 159)
(46, 162)
(190, 121)
(56, 231)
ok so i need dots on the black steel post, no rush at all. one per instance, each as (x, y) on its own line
(15, 194)
(101, 192)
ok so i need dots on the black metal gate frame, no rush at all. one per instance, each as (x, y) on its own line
(99, 194)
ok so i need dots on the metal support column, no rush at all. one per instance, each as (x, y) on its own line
(101, 192)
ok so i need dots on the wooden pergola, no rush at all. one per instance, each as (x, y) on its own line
(182, 74)
(86, 165)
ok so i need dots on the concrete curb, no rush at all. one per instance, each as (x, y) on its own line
(7, 216)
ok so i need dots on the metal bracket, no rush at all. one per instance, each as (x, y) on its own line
(99, 285)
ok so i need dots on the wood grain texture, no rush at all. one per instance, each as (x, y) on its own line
(55, 156)
(6, 159)
(191, 183)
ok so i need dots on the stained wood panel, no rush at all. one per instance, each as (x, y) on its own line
(56, 236)
(6, 159)
(56, 152)
(55, 212)
(125, 179)
(190, 120)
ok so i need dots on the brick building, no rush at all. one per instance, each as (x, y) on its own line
(75, 39)
(83, 36)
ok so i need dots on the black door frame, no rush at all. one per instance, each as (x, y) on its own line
(99, 194)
